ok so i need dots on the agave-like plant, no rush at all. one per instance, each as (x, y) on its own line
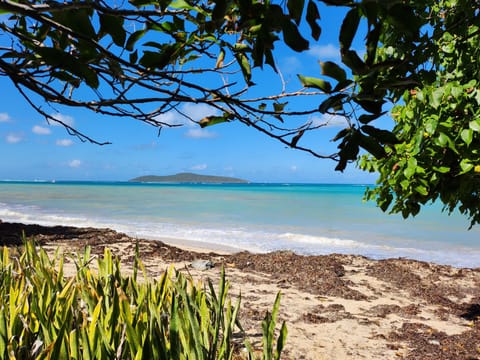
(101, 314)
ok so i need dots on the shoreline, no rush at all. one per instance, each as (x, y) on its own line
(335, 306)
(197, 246)
(458, 257)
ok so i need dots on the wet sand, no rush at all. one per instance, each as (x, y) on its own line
(335, 306)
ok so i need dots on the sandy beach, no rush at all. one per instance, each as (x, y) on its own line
(335, 306)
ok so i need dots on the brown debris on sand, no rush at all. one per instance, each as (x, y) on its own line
(335, 306)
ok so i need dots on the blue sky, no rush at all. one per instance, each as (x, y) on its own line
(33, 149)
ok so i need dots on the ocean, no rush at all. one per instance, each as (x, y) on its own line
(310, 219)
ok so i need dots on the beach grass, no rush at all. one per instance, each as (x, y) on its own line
(100, 313)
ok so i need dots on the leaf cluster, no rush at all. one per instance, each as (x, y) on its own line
(105, 315)
(144, 58)
(437, 124)
(417, 61)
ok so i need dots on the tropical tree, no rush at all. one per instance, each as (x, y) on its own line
(413, 61)
(141, 59)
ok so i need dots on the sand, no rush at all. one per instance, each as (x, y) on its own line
(335, 306)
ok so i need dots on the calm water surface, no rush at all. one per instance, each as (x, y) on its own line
(308, 219)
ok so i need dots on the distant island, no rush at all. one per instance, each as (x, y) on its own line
(189, 178)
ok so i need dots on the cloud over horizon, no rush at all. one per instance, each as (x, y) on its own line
(324, 52)
(62, 118)
(40, 130)
(329, 120)
(4, 117)
(199, 133)
(187, 116)
(14, 138)
(75, 163)
(64, 142)
(199, 167)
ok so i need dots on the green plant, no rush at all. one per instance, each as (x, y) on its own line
(104, 315)
(268, 331)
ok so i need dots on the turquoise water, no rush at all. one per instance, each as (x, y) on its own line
(307, 219)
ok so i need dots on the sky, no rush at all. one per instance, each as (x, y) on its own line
(33, 149)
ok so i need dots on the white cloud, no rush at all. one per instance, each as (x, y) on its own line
(146, 146)
(4, 117)
(192, 113)
(322, 52)
(196, 112)
(171, 117)
(198, 133)
(66, 119)
(75, 163)
(40, 130)
(199, 167)
(293, 168)
(64, 142)
(290, 65)
(329, 120)
(14, 138)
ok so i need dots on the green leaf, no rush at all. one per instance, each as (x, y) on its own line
(343, 85)
(132, 40)
(59, 342)
(441, 169)
(218, 13)
(317, 83)
(442, 139)
(341, 134)
(371, 145)
(467, 136)
(374, 107)
(384, 136)
(295, 9)
(436, 98)
(77, 19)
(312, 16)
(65, 76)
(405, 184)
(372, 43)
(474, 125)
(278, 107)
(365, 119)
(334, 102)
(349, 149)
(212, 120)
(422, 190)
(58, 58)
(349, 28)
(220, 59)
(411, 168)
(353, 61)
(296, 138)
(405, 19)
(133, 57)
(113, 25)
(181, 4)
(466, 166)
(245, 67)
(292, 37)
(159, 60)
(333, 70)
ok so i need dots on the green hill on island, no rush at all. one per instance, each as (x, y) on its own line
(189, 178)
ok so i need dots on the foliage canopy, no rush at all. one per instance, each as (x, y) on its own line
(418, 62)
